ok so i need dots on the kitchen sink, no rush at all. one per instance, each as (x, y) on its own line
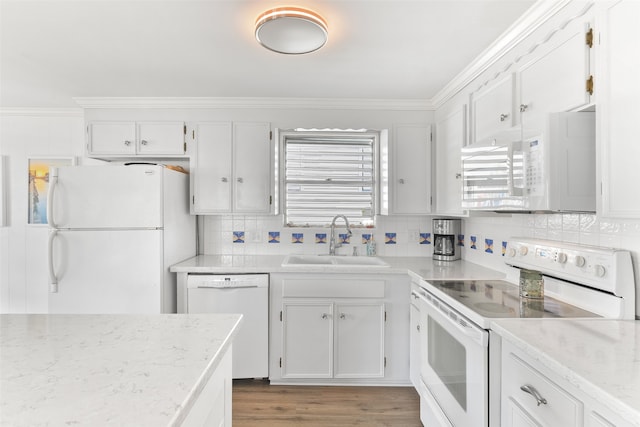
(332, 261)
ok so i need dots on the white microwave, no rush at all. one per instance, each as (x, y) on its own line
(553, 169)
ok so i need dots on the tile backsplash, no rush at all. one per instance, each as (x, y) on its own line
(251, 235)
(483, 238)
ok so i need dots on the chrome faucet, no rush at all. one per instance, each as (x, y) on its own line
(332, 240)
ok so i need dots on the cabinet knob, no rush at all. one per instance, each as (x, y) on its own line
(240, 180)
(503, 117)
(127, 143)
(523, 107)
(224, 179)
(401, 180)
(144, 142)
(533, 392)
(325, 315)
(458, 175)
(343, 316)
(418, 328)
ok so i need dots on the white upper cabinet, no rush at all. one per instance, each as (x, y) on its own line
(450, 137)
(409, 170)
(556, 78)
(618, 92)
(231, 168)
(136, 139)
(492, 108)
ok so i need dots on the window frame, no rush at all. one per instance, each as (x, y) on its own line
(284, 134)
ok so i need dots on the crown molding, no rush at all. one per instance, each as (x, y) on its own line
(538, 14)
(281, 103)
(42, 112)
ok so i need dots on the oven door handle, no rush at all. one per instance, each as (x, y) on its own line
(461, 323)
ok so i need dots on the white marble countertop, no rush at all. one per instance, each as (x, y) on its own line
(598, 356)
(418, 267)
(107, 369)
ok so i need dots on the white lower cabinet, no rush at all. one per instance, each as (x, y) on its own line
(213, 406)
(332, 328)
(307, 340)
(534, 395)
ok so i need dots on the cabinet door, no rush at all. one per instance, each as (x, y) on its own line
(253, 162)
(161, 138)
(556, 79)
(411, 169)
(414, 345)
(307, 340)
(450, 138)
(359, 341)
(211, 168)
(492, 109)
(618, 91)
(112, 138)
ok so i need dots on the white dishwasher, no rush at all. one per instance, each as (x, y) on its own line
(247, 294)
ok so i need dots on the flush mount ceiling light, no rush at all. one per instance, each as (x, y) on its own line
(291, 30)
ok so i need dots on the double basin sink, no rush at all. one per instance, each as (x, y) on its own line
(332, 261)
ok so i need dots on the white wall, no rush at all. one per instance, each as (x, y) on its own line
(23, 273)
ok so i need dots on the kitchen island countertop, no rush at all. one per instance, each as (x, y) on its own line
(107, 369)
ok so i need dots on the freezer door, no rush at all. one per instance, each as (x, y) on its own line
(106, 197)
(107, 271)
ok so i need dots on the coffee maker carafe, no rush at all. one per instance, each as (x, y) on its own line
(445, 234)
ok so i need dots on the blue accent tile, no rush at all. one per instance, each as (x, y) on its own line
(274, 237)
(297, 237)
(425, 238)
(344, 239)
(238, 237)
(504, 248)
(461, 240)
(389, 238)
(488, 246)
(321, 237)
(472, 244)
(366, 238)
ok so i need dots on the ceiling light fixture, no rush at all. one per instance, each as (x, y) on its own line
(291, 30)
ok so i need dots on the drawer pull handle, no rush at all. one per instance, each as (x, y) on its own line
(533, 392)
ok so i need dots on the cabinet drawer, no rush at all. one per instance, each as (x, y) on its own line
(561, 408)
(338, 288)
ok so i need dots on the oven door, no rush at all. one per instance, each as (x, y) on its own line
(454, 365)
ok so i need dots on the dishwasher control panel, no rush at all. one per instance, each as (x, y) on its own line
(220, 281)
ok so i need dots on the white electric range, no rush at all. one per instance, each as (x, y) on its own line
(457, 355)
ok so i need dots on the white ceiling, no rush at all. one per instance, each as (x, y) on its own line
(54, 50)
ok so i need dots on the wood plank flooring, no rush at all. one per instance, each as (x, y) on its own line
(256, 403)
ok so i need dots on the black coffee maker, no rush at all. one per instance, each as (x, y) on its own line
(445, 235)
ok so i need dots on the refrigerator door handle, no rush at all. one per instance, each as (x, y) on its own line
(53, 180)
(53, 280)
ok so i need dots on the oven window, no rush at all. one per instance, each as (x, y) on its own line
(448, 358)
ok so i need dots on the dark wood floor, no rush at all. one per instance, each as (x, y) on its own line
(256, 403)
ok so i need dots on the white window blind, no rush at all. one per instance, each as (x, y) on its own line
(329, 173)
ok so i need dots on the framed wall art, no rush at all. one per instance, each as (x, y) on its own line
(39, 185)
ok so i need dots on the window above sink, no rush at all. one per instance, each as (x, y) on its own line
(329, 172)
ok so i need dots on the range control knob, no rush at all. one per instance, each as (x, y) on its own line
(511, 253)
(598, 270)
(580, 261)
(524, 250)
(562, 258)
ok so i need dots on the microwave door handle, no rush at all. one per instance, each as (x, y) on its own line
(513, 191)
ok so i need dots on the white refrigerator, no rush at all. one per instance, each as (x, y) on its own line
(114, 233)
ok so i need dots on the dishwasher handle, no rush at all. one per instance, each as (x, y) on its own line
(219, 285)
